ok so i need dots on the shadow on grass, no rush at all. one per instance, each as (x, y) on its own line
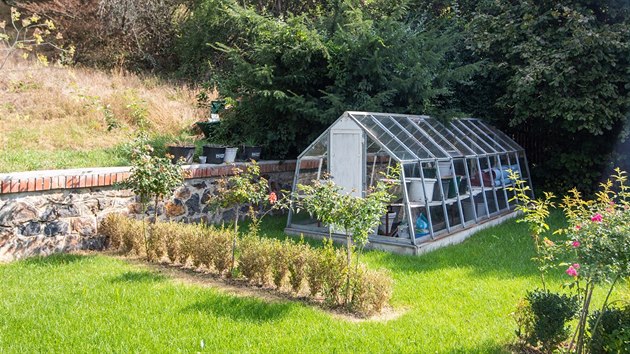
(139, 277)
(55, 260)
(240, 308)
(503, 251)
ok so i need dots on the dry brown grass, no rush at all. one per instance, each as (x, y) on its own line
(48, 109)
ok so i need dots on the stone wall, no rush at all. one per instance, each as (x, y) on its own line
(43, 212)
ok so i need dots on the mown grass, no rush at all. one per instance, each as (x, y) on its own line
(456, 299)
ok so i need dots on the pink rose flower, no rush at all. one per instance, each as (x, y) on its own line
(597, 218)
(571, 271)
(575, 243)
(576, 265)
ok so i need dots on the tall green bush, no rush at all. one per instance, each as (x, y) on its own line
(296, 74)
(557, 76)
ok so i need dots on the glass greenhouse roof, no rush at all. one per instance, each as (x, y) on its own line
(413, 138)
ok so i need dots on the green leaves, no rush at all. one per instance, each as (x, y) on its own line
(294, 75)
(561, 63)
(357, 216)
(243, 187)
(152, 177)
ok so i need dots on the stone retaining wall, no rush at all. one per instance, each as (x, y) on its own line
(42, 212)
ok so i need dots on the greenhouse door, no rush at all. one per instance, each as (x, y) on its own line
(346, 156)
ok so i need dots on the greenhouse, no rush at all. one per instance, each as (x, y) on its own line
(453, 176)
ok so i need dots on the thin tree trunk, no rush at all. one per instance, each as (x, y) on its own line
(349, 260)
(144, 229)
(155, 210)
(234, 240)
(584, 316)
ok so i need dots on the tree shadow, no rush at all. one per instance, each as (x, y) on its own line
(241, 308)
(139, 277)
(55, 260)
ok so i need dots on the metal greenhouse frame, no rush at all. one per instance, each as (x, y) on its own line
(453, 177)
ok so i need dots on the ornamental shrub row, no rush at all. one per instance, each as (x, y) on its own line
(320, 274)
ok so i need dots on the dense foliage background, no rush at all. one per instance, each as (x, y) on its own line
(553, 74)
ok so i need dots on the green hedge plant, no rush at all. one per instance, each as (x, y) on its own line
(261, 261)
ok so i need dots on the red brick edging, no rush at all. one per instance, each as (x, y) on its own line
(35, 181)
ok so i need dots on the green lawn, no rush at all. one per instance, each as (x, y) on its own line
(457, 299)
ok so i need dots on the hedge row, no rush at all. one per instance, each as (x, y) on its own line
(294, 267)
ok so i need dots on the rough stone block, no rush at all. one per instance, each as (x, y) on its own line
(55, 228)
(31, 228)
(84, 226)
(192, 205)
(182, 193)
(15, 213)
(175, 208)
(68, 211)
(135, 208)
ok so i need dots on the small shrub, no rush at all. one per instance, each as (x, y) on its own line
(335, 274)
(172, 239)
(316, 268)
(113, 228)
(189, 236)
(220, 249)
(297, 257)
(133, 238)
(255, 261)
(156, 242)
(261, 260)
(202, 254)
(612, 334)
(371, 291)
(280, 262)
(550, 313)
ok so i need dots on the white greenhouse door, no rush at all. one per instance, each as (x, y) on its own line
(346, 156)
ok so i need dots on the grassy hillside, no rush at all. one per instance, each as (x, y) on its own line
(71, 117)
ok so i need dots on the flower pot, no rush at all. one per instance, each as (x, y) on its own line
(183, 152)
(202, 159)
(445, 168)
(387, 221)
(453, 187)
(214, 153)
(463, 185)
(417, 189)
(230, 154)
(248, 153)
